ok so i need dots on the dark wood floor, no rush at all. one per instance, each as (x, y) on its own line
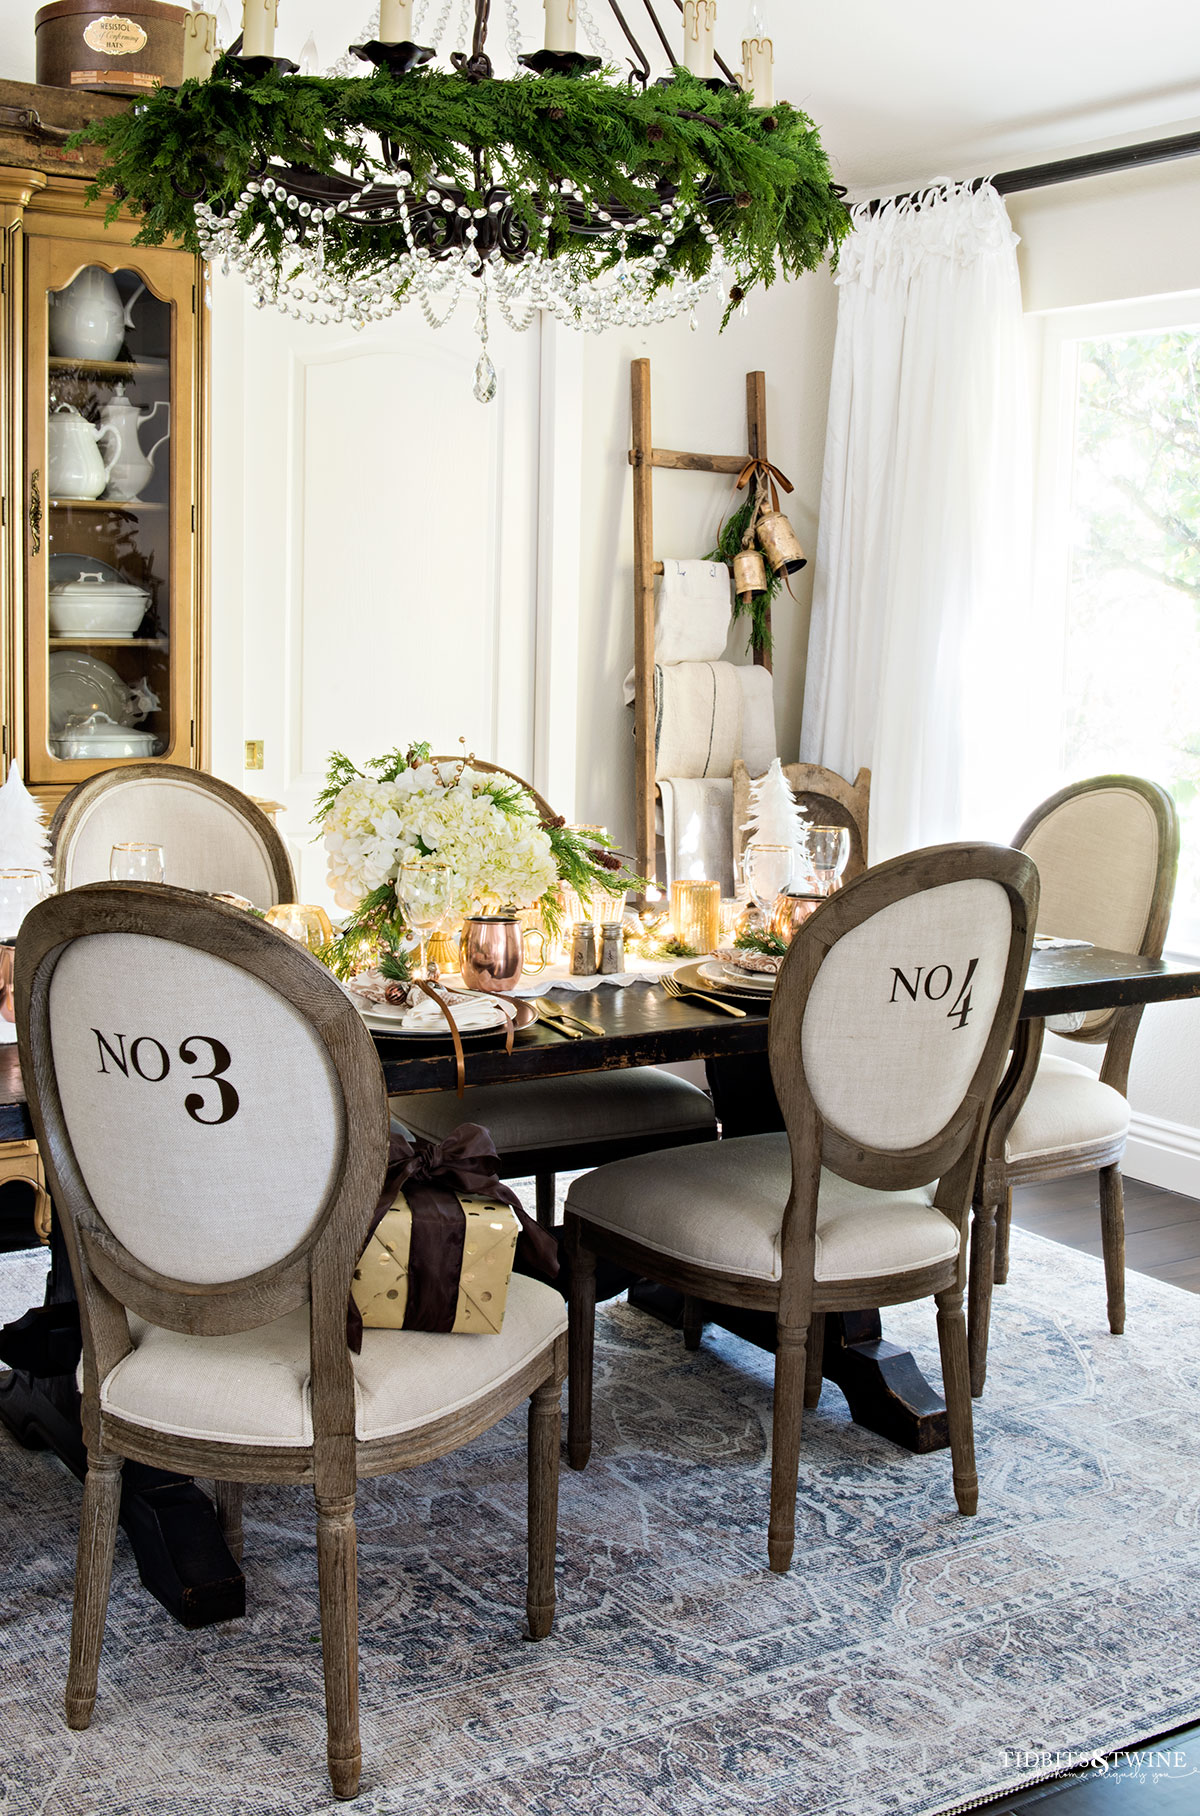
(1162, 1238)
(1162, 1229)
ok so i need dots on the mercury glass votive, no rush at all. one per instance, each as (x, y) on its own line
(696, 914)
(309, 926)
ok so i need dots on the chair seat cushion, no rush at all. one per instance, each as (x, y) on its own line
(721, 1206)
(565, 1112)
(1067, 1107)
(253, 1388)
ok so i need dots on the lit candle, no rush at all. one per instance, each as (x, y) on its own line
(396, 21)
(560, 24)
(199, 46)
(259, 19)
(699, 29)
(758, 61)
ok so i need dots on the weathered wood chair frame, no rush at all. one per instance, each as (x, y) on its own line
(799, 1301)
(74, 807)
(317, 1271)
(1116, 1030)
(545, 1163)
(827, 798)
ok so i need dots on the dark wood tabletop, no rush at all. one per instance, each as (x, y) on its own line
(645, 1027)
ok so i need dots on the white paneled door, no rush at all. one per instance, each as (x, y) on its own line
(387, 551)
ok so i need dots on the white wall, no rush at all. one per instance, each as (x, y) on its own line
(699, 404)
(1107, 240)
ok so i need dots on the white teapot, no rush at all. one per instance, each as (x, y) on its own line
(88, 320)
(75, 468)
(131, 468)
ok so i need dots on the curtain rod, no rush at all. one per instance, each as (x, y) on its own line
(1070, 170)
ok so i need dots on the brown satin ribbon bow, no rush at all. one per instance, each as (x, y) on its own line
(764, 474)
(431, 1175)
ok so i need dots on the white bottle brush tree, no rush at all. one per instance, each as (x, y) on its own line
(776, 817)
(24, 843)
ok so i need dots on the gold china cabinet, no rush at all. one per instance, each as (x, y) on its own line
(103, 353)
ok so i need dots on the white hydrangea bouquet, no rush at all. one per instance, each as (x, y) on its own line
(503, 852)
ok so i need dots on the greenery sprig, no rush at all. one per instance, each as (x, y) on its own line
(204, 141)
(729, 546)
(769, 944)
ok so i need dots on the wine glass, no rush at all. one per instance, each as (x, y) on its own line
(425, 890)
(768, 871)
(20, 890)
(828, 853)
(132, 863)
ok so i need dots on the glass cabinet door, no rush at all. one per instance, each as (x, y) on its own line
(110, 426)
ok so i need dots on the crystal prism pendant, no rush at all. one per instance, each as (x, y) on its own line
(485, 380)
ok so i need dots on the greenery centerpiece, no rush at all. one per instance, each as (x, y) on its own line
(502, 849)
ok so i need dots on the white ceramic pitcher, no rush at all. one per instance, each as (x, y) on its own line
(131, 468)
(75, 467)
(88, 320)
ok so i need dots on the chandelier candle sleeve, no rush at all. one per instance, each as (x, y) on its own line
(758, 70)
(259, 19)
(699, 37)
(560, 25)
(395, 21)
(199, 46)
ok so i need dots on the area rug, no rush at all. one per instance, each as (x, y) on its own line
(912, 1661)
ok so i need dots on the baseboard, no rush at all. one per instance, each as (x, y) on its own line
(1163, 1153)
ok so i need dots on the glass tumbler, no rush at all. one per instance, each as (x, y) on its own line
(132, 863)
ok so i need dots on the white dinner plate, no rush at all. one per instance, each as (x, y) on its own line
(715, 971)
(81, 686)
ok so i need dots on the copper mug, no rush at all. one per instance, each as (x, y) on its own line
(791, 912)
(8, 1004)
(491, 955)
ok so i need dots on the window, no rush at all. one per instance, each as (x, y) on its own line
(1119, 555)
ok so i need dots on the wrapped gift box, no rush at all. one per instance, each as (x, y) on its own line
(381, 1279)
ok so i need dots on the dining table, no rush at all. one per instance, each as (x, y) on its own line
(172, 1525)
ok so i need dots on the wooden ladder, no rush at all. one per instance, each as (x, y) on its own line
(643, 458)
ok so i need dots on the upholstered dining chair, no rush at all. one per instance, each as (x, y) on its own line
(888, 1029)
(1107, 850)
(214, 837)
(560, 1125)
(827, 798)
(214, 1121)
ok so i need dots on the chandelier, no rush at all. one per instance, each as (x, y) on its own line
(604, 200)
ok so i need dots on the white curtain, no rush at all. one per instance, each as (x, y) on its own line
(922, 580)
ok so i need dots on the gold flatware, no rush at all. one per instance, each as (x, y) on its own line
(556, 1026)
(547, 1007)
(705, 996)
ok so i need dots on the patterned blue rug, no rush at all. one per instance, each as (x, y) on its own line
(911, 1662)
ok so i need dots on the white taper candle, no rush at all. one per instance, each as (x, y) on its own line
(758, 70)
(699, 30)
(560, 24)
(259, 19)
(199, 46)
(395, 21)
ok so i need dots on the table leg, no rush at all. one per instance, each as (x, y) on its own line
(181, 1555)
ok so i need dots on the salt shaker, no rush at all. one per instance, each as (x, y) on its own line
(612, 948)
(583, 950)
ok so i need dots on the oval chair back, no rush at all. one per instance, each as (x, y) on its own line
(213, 1118)
(1107, 851)
(890, 1024)
(214, 838)
(546, 813)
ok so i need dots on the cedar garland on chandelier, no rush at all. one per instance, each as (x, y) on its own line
(341, 197)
